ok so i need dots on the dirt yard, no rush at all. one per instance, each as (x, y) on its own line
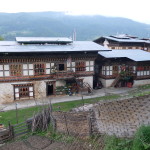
(42, 143)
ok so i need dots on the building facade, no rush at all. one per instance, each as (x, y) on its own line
(34, 68)
(124, 42)
(122, 68)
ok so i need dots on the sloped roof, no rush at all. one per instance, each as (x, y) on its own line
(49, 40)
(76, 46)
(126, 39)
(136, 55)
(8, 43)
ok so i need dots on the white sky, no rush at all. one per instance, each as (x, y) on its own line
(138, 10)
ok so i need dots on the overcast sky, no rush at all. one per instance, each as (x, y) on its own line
(138, 10)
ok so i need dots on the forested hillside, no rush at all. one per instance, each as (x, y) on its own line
(59, 24)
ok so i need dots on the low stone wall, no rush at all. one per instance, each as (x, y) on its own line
(71, 123)
(118, 117)
(122, 117)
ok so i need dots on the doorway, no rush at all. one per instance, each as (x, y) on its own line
(50, 88)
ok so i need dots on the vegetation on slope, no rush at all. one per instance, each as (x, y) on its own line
(59, 24)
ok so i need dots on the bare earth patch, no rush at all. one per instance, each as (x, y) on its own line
(42, 143)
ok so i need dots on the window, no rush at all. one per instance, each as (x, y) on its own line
(61, 67)
(4, 71)
(71, 66)
(28, 69)
(23, 91)
(39, 69)
(80, 66)
(16, 70)
(89, 65)
(107, 70)
(48, 68)
(143, 71)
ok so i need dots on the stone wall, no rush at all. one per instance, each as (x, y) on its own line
(71, 123)
(122, 117)
(6, 93)
(118, 117)
(7, 90)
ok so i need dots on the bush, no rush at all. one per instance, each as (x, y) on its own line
(142, 139)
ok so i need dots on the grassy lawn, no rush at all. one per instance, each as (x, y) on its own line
(25, 113)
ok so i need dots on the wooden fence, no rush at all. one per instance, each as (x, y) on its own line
(6, 134)
(20, 129)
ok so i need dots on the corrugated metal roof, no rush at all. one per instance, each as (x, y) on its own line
(8, 43)
(75, 46)
(43, 40)
(136, 55)
(126, 40)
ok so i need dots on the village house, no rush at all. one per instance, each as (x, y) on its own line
(37, 67)
(124, 41)
(123, 68)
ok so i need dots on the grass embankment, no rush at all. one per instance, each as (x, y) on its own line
(25, 113)
(141, 141)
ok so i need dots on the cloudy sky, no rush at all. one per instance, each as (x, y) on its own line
(138, 10)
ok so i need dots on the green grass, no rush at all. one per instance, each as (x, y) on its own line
(144, 86)
(114, 143)
(25, 113)
(141, 141)
(141, 94)
(66, 106)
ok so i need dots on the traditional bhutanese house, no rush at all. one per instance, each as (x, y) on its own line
(36, 67)
(124, 42)
(121, 68)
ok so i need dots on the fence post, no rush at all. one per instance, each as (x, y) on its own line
(16, 113)
(66, 124)
(11, 131)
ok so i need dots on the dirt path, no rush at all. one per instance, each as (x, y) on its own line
(57, 99)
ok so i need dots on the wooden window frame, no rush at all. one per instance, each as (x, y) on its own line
(28, 69)
(143, 71)
(39, 69)
(15, 69)
(3, 70)
(107, 69)
(23, 91)
(80, 66)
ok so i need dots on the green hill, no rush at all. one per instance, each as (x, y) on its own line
(59, 24)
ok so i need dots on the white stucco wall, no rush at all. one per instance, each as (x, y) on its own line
(106, 83)
(141, 82)
(60, 83)
(88, 80)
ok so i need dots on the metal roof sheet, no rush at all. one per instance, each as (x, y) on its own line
(43, 40)
(136, 55)
(8, 43)
(126, 40)
(75, 46)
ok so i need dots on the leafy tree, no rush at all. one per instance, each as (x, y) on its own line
(1, 38)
